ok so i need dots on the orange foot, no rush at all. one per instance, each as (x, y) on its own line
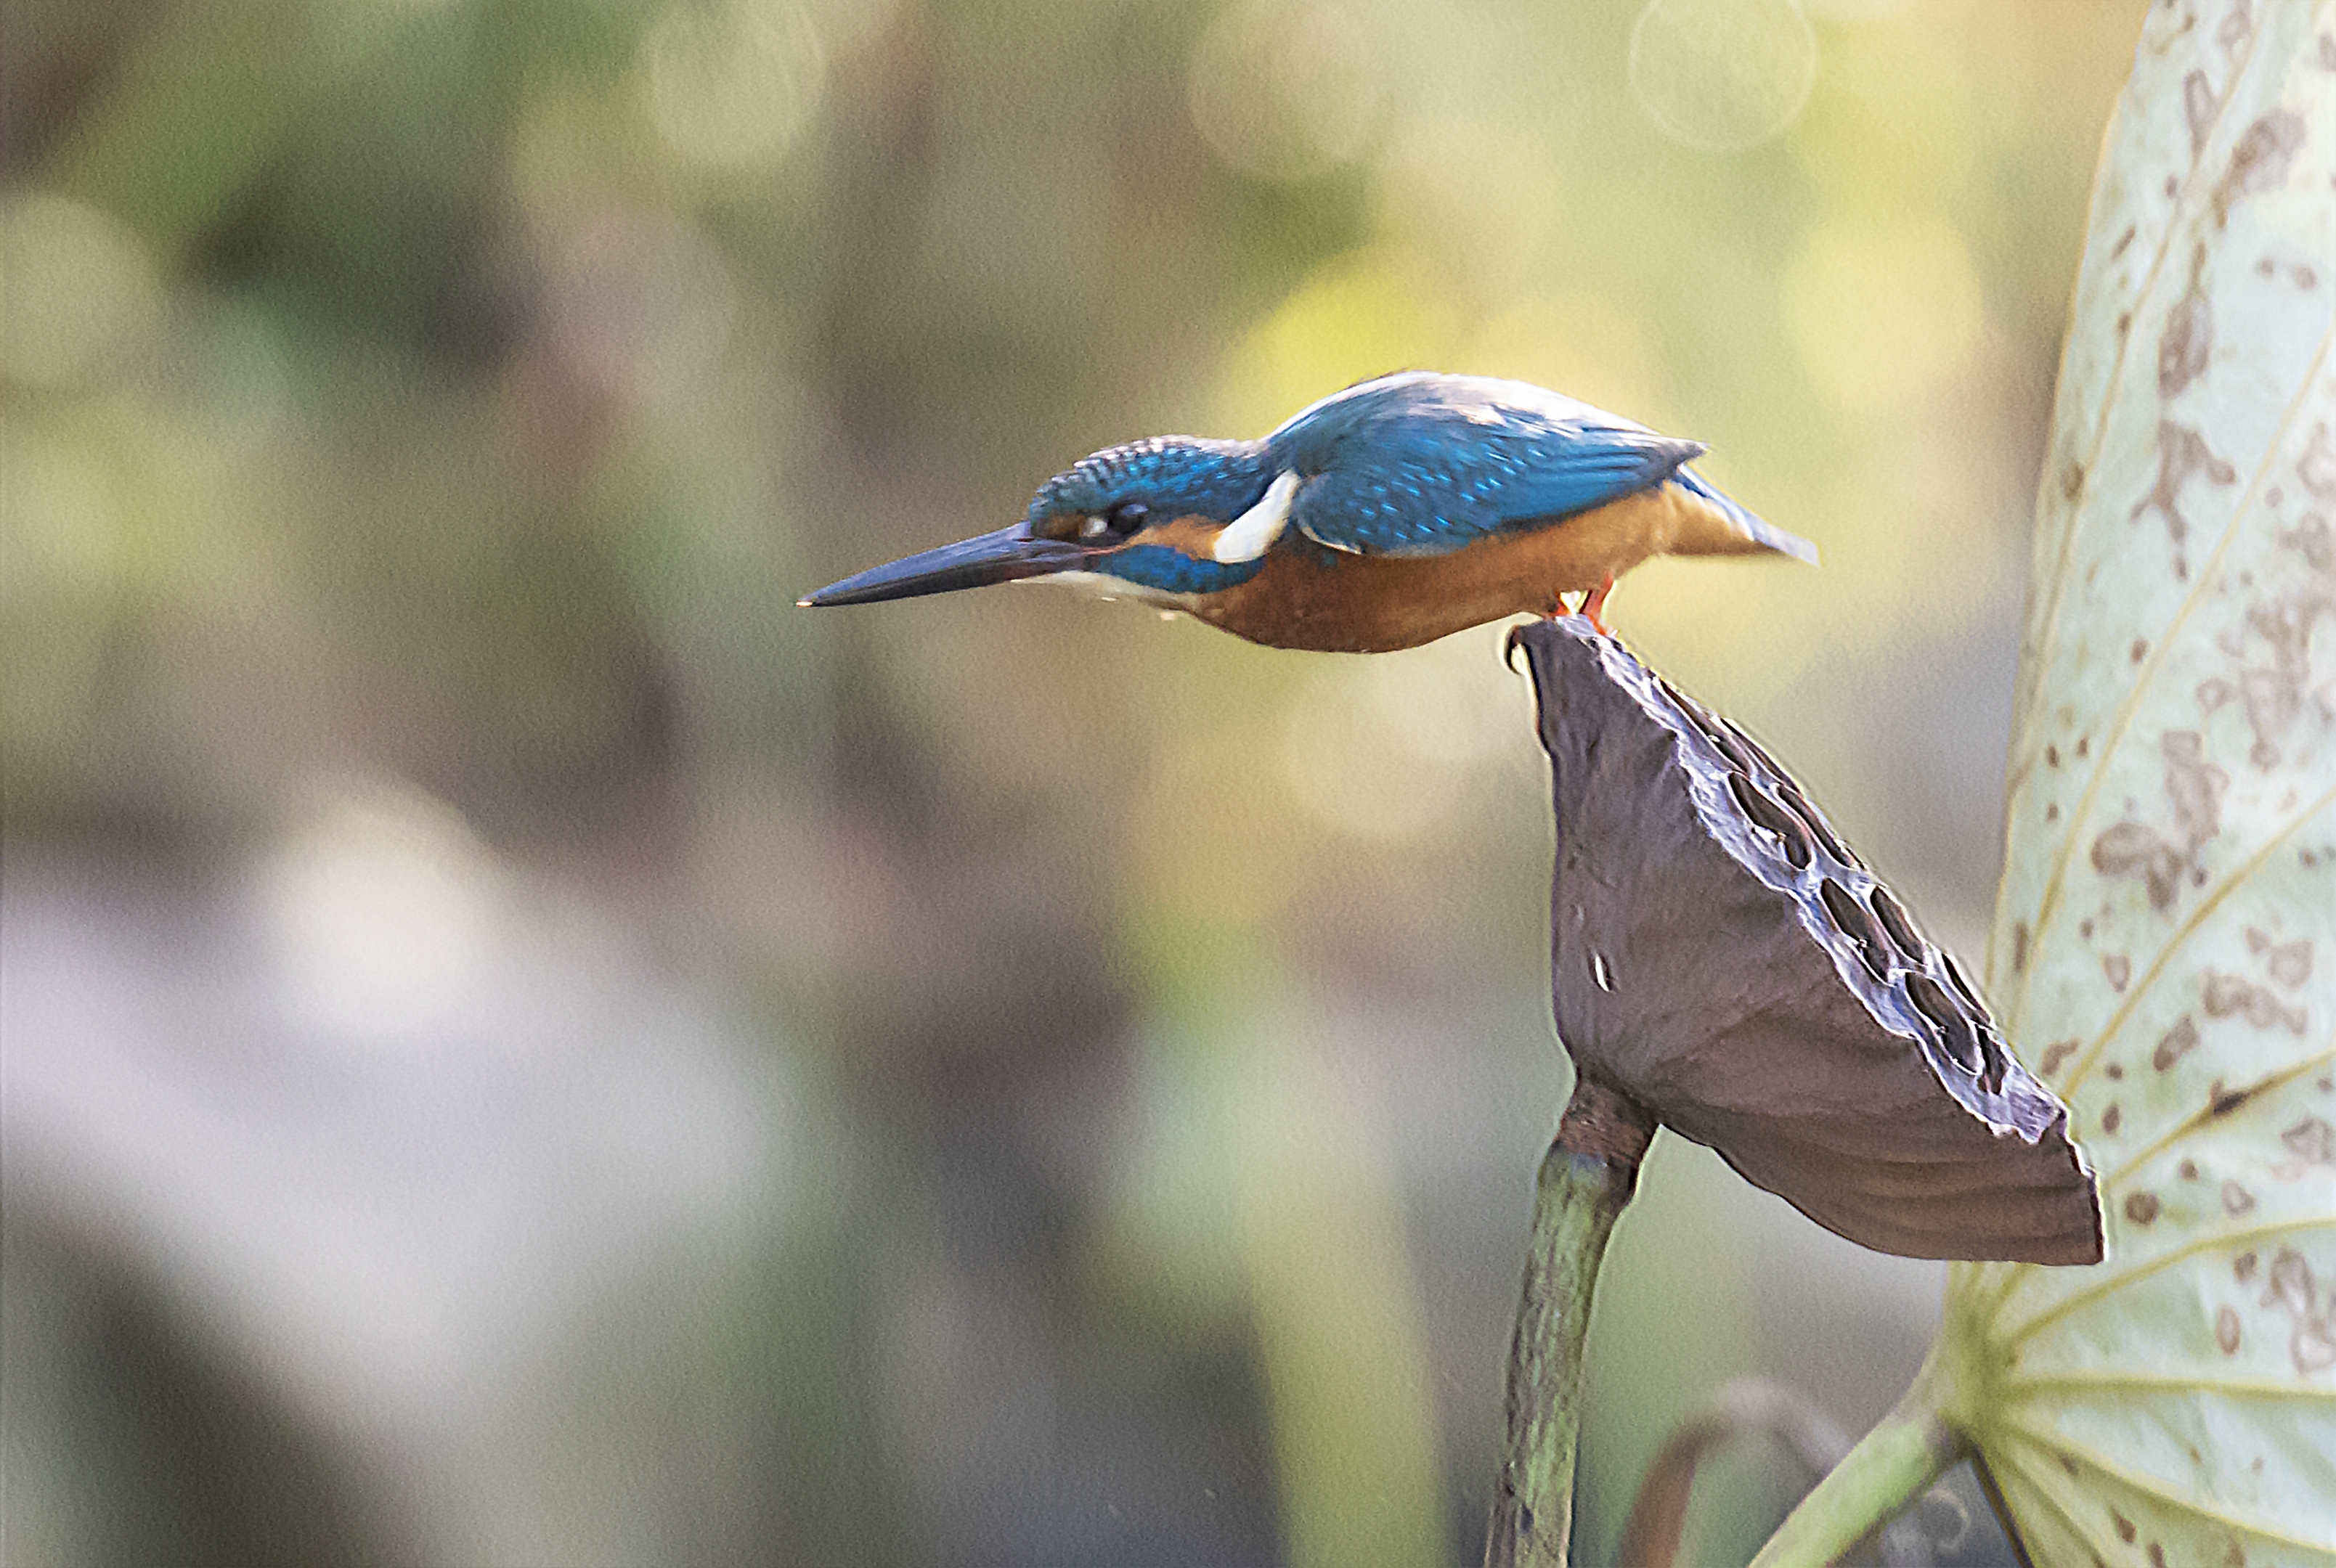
(1594, 601)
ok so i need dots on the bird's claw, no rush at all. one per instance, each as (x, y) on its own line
(1594, 601)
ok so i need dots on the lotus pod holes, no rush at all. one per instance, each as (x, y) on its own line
(1854, 925)
(1720, 956)
(1774, 820)
(1902, 935)
(1955, 1032)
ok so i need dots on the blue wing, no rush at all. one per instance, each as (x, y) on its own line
(1421, 464)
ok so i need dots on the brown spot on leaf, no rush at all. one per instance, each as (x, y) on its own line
(2156, 1556)
(2112, 1118)
(2226, 1330)
(2312, 1140)
(2124, 1526)
(2051, 756)
(2291, 965)
(2176, 1043)
(2189, 1170)
(2193, 784)
(2243, 1267)
(2182, 451)
(2317, 467)
(2198, 108)
(2274, 695)
(2236, 1201)
(2260, 160)
(2141, 1208)
(2128, 846)
(2123, 240)
(2114, 1072)
(2187, 343)
(2139, 651)
(2055, 1054)
(2119, 969)
(2315, 541)
(2226, 994)
(2020, 947)
(2289, 1284)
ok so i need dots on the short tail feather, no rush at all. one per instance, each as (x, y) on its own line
(1752, 527)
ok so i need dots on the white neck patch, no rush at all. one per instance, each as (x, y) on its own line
(1250, 532)
(1103, 586)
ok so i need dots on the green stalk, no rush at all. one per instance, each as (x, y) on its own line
(1890, 1468)
(1586, 1179)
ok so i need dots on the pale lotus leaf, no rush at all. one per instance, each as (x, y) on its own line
(2165, 945)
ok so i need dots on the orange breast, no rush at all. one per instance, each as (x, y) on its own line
(1331, 602)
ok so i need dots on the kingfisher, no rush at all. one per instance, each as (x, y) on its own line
(1383, 516)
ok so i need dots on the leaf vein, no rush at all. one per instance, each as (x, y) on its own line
(2234, 1388)
(2048, 906)
(2199, 1117)
(2048, 624)
(2189, 927)
(2163, 1491)
(2079, 1301)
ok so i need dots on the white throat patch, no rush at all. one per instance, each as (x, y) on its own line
(1247, 538)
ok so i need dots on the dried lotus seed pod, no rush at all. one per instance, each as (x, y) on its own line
(1723, 958)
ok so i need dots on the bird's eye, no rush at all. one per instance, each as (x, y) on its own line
(1122, 521)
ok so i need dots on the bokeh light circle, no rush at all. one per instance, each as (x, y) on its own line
(1722, 75)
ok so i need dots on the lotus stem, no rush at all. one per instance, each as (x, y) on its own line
(1586, 1179)
(1889, 1468)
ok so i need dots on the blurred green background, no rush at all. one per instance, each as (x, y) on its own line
(523, 1047)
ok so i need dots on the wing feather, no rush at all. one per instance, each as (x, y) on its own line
(1422, 465)
(1440, 490)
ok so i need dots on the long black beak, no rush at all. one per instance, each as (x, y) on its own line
(998, 558)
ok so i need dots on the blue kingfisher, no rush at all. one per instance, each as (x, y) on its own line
(1385, 516)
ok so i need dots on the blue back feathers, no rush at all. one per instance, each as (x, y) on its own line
(1412, 464)
(1420, 463)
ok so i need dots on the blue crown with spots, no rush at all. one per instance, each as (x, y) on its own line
(1175, 475)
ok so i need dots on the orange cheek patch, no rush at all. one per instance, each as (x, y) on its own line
(1192, 536)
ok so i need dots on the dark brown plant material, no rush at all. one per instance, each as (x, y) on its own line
(1723, 958)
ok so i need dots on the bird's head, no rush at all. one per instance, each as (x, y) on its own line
(1163, 518)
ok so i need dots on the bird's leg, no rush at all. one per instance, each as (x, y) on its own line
(1594, 601)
